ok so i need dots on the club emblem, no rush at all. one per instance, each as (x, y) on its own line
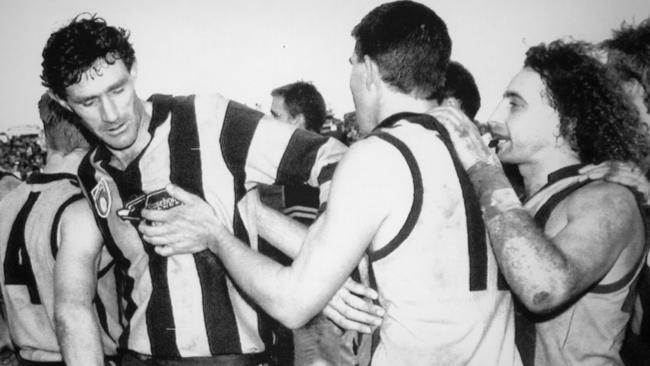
(102, 198)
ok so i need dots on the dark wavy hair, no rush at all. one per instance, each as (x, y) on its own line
(303, 97)
(629, 54)
(596, 117)
(460, 84)
(410, 44)
(73, 49)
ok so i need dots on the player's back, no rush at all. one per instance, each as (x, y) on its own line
(31, 214)
(435, 273)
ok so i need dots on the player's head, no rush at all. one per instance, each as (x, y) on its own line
(73, 50)
(628, 53)
(62, 128)
(566, 99)
(406, 46)
(299, 104)
(89, 68)
(461, 88)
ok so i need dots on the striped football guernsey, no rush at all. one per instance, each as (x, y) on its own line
(28, 246)
(590, 330)
(186, 305)
(438, 280)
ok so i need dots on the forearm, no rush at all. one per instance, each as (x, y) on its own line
(78, 334)
(533, 266)
(272, 286)
(282, 232)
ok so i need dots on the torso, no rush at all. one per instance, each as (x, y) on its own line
(437, 281)
(590, 330)
(28, 235)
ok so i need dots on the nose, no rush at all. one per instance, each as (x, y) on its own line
(498, 117)
(109, 110)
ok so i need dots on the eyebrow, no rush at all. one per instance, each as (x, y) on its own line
(512, 94)
(119, 83)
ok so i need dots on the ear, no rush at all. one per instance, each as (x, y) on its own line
(134, 69)
(371, 71)
(299, 121)
(61, 102)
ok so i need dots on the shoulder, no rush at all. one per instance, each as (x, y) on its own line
(78, 218)
(373, 164)
(610, 200)
(7, 184)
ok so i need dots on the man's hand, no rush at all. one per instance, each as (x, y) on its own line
(187, 228)
(627, 174)
(465, 136)
(351, 308)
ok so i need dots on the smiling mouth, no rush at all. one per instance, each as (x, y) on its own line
(496, 141)
(116, 129)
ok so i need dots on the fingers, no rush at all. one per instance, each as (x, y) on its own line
(360, 289)
(154, 228)
(158, 215)
(372, 313)
(165, 251)
(344, 322)
(180, 194)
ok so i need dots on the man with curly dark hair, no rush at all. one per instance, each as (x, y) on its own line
(572, 252)
(628, 53)
(180, 309)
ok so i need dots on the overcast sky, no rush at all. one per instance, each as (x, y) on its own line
(245, 48)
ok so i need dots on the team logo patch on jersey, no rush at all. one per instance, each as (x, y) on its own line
(102, 198)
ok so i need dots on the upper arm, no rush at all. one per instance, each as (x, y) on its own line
(78, 255)
(358, 204)
(602, 219)
(280, 153)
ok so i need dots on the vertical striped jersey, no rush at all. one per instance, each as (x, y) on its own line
(186, 305)
(31, 215)
(437, 277)
(590, 330)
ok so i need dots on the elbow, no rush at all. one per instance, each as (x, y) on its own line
(294, 322)
(546, 300)
(294, 316)
(295, 312)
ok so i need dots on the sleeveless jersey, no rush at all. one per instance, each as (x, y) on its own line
(186, 305)
(591, 330)
(28, 245)
(438, 281)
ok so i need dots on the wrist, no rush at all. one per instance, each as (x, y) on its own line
(493, 189)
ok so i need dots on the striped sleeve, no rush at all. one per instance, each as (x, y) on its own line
(274, 152)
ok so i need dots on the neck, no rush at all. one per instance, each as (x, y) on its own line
(57, 162)
(536, 173)
(394, 102)
(122, 158)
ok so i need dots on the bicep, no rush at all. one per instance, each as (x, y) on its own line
(599, 226)
(337, 240)
(78, 255)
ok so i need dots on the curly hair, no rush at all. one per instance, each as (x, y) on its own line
(596, 117)
(629, 54)
(410, 44)
(303, 97)
(73, 49)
